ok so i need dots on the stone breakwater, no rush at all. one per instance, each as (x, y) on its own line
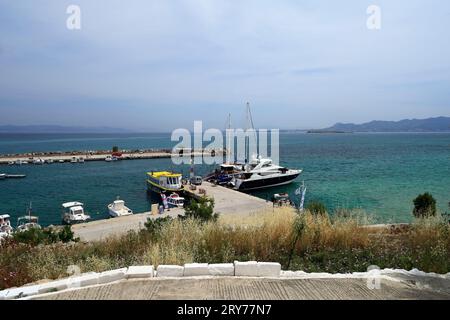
(101, 155)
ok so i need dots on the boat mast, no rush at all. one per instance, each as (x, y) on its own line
(249, 125)
(229, 136)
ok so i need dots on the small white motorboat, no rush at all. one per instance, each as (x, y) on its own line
(174, 200)
(118, 209)
(2, 176)
(49, 161)
(80, 160)
(27, 222)
(74, 160)
(20, 162)
(61, 161)
(73, 212)
(38, 161)
(111, 158)
(10, 163)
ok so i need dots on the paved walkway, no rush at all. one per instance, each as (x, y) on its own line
(229, 201)
(255, 289)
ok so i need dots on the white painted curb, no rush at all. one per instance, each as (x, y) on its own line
(196, 269)
(169, 271)
(221, 269)
(140, 272)
(246, 269)
(269, 269)
(112, 275)
(238, 268)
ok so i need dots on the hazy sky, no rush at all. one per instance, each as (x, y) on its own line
(161, 64)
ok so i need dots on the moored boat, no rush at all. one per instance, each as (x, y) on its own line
(164, 181)
(11, 176)
(118, 209)
(28, 222)
(264, 174)
(111, 158)
(38, 161)
(174, 200)
(73, 212)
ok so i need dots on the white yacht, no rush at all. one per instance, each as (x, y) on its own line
(262, 173)
(73, 212)
(118, 209)
(174, 200)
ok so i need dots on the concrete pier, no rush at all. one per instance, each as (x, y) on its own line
(227, 201)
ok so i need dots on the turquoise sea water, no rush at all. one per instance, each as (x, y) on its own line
(379, 173)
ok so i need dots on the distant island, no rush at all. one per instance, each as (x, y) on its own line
(438, 124)
(59, 129)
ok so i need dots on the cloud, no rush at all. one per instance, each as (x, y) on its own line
(314, 60)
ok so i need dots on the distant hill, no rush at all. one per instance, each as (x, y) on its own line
(439, 124)
(59, 129)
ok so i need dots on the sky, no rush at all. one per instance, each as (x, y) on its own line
(157, 65)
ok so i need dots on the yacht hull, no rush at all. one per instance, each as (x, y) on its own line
(279, 180)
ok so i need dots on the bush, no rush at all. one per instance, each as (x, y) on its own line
(202, 209)
(424, 206)
(154, 226)
(317, 208)
(36, 236)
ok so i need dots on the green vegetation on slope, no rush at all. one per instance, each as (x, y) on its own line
(312, 242)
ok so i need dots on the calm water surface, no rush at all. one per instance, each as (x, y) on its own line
(379, 173)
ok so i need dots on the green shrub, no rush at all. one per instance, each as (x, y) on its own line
(202, 209)
(424, 206)
(154, 226)
(36, 236)
(316, 208)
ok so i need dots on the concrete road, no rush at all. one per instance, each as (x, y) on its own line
(255, 289)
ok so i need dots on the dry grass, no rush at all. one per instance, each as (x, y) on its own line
(338, 244)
